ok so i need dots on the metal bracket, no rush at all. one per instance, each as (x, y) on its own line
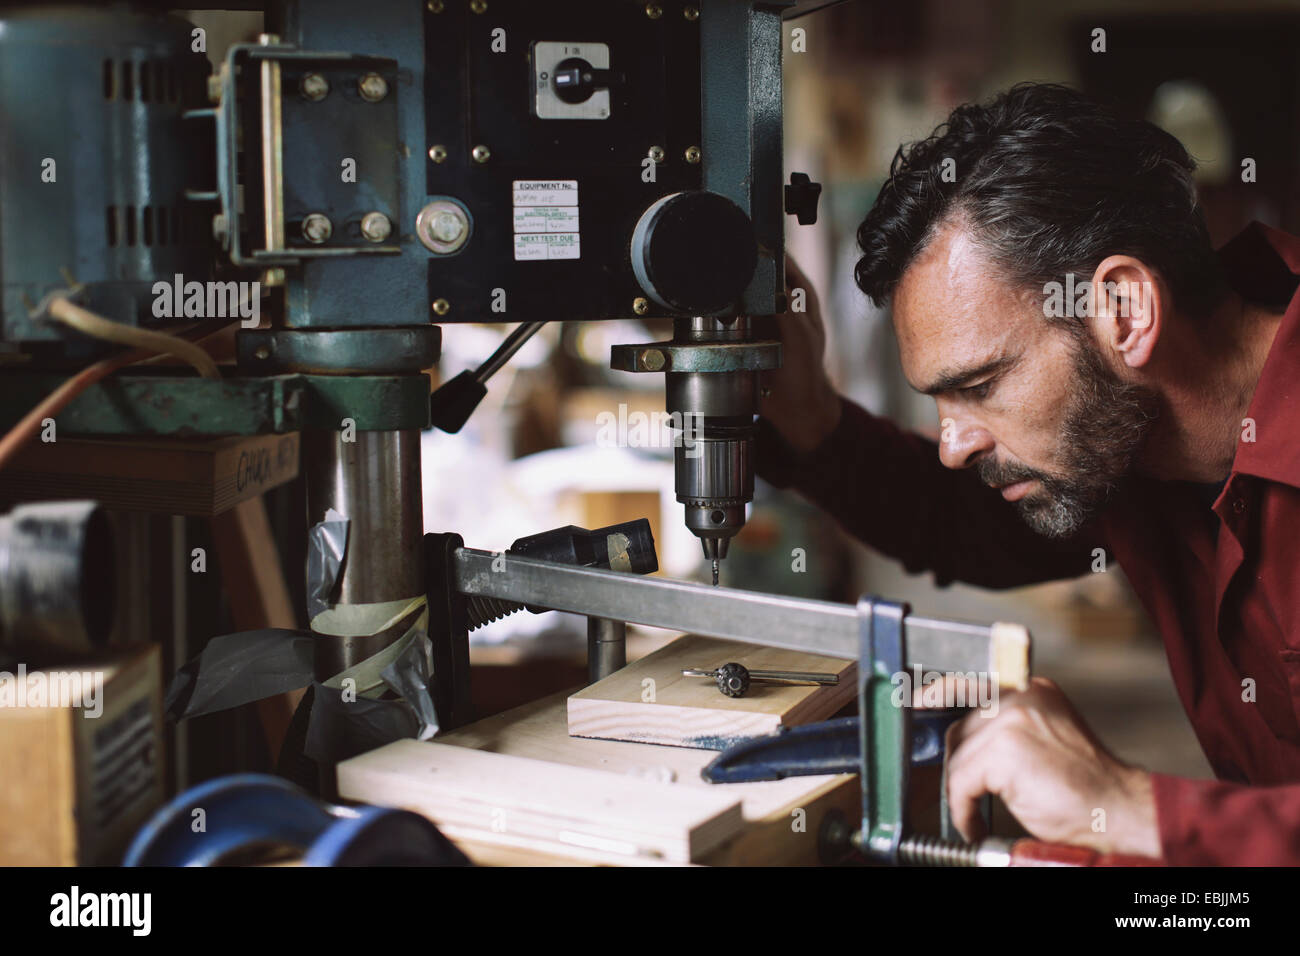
(274, 249)
(886, 727)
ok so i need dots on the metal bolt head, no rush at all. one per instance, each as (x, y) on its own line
(441, 306)
(656, 153)
(268, 39)
(652, 360)
(691, 13)
(654, 11)
(214, 88)
(640, 305)
(481, 153)
(478, 6)
(314, 87)
(220, 227)
(435, 6)
(316, 227)
(376, 227)
(443, 226)
(262, 353)
(372, 87)
(692, 154)
(438, 153)
(447, 226)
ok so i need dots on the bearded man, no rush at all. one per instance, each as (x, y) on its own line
(1104, 379)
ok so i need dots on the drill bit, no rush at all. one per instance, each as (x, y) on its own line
(715, 572)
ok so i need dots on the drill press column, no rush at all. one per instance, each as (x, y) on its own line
(374, 482)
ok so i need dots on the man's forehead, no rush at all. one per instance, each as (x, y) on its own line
(951, 310)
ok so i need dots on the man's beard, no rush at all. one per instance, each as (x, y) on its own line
(1105, 425)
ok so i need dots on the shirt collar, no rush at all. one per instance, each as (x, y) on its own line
(1262, 264)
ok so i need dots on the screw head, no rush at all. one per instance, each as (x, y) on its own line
(372, 87)
(478, 6)
(447, 226)
(438, 153)
(314, 87)
(317, 228)
(656, 153)
(652, 360)
(435, 6)
(640, 305)
(376, 227)
(692, 154)
(691, 13)
(481, 153)
(654, 11)
(441, 306)
(262, 353)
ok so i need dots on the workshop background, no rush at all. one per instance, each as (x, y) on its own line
(554, 442)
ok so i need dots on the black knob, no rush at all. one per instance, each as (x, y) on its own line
(801, 198)
(694, 252)
(733, 679)
(575, 80)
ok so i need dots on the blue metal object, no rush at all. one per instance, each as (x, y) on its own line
(95, 163)
(231, 817)
(830, 746)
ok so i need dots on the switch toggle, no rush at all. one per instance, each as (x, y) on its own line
(576, 80)
(572, 80)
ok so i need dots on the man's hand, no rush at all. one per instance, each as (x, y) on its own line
(1052, 774)
(798, 398)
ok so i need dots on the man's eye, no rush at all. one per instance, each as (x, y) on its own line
(978, 391)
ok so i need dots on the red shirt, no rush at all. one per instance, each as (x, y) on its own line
(1222, 586)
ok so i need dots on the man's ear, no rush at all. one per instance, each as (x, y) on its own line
(1129, 306)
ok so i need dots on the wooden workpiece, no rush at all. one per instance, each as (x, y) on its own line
(779, 820)
(691, 711)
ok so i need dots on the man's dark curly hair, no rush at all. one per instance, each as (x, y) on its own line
(1050, 182)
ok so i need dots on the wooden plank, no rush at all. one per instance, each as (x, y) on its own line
(782, 817)
(649, 701)
(162, 476)
(535, 804)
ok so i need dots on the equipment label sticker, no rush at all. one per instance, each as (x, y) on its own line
(546, 219)
(552, 192)
(540, 246)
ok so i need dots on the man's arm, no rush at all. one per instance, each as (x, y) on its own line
(1213, 823)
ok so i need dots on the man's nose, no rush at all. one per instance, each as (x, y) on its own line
(961, 443)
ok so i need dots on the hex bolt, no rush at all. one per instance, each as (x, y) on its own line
(640, 306)
(481, 153)
(376, 227)
(316, 227)
(441, 306)
(314, 87)
(656, 154)
(692, 154)
(438, 153)
(447, 226)
(372, 87)
(652, 360)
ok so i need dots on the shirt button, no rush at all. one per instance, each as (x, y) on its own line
(1238, 505)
